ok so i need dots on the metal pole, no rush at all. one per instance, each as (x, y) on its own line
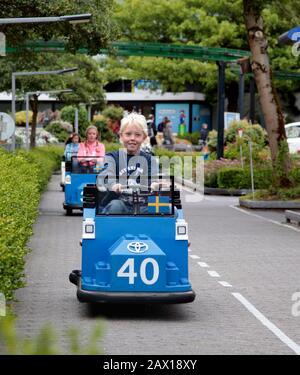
(13, 91)
(89, 113)
(251, 169)
(73, 18)
(241, 152)
(76, 120)
(13, 108)
(221, 107)
(27, 121)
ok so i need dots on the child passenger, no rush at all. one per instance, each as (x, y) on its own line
(128, 162)
(72, 146)
(91, 151)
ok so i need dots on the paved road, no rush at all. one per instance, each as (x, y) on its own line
(244, 267)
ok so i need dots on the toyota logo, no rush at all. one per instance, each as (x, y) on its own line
(137, 247)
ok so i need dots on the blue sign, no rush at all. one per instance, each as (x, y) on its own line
(229, 117)
(176, 113)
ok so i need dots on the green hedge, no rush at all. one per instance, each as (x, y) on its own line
(239, 178)
(56, 129)
(22, 179)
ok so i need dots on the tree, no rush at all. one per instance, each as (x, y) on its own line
(208, 23)
(87, 83)
(215, 23)
(93, 35)
(270, 105)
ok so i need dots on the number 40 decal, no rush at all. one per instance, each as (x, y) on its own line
(131, 274)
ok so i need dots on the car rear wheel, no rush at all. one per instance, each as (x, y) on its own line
(69, 211)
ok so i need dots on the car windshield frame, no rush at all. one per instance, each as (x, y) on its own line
(143, 194)
(85, 167)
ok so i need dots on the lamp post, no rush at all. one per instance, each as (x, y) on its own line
(28, 94)
(13, 90)
(73, 19)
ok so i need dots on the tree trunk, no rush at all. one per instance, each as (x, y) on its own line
(232, 91)
(269, 101)
(34, 107)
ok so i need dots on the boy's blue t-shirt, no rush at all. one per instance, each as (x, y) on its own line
(119, 165)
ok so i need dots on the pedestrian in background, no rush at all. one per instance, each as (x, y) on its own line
(168, 134)
(204, 133)
(152, 130)
(160, 130)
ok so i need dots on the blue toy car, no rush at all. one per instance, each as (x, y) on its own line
(63, 173)
(140, 256)
(78, 173)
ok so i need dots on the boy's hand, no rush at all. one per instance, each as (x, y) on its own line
(161, 184)
(117, 188)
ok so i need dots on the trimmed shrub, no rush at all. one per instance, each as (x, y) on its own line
(191, 137)
(212, 140)
(45, 160)
(68, 114)
(45, 341)
(22, 179)
(232, 142)
(105, 131)
(239, 178)
(295, 176)
(255, 133)
(113, 112)
(109, 147)
(231, 178)
(212, 167)
(21, 118)
(56, 128)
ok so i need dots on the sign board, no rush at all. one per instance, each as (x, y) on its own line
(7, 127)
(229, 117)
(177, 113)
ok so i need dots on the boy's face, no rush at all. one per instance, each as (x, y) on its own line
(132, 138)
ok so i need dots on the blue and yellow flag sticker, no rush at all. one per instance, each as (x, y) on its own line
(158, 205)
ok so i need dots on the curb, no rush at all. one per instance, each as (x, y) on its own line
(292, 216)
(269, 204)
(188, 183)
(212, 191)
(231, 192)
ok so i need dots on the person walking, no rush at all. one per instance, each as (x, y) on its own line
(204, 133)
(152, 130)
(168, 134)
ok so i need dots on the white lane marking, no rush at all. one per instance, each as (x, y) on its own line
(262, 217)
(213, 273)
(203, 264)
(194, 257)
(225, 283)
(266, 322)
